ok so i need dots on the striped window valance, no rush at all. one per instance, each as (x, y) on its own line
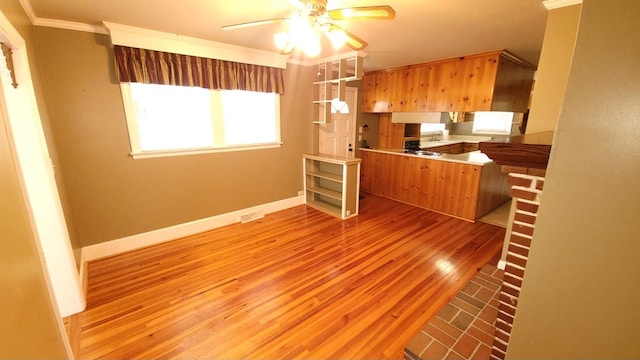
(156, 67)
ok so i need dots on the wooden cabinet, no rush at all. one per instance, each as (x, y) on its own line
(391, 135)
(333, 73)
(457, 148)
(469, 147)
(495, 81)
(332, 184)
(463, 190)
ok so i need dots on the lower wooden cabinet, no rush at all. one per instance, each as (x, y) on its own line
(464, 190)
(458, 148)
(332, 184)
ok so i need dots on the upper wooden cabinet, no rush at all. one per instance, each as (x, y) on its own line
(495, 81)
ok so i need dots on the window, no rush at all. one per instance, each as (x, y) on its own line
(166, 120)
(492, 122)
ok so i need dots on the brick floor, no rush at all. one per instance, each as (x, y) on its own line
(464, 328)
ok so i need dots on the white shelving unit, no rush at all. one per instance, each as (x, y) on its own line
(330, 73)
(332, 184)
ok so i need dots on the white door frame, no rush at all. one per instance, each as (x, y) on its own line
(35, 169)
(353, 111)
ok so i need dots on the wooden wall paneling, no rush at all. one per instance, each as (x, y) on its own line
(458, 90)
(451, 183)
(494, 189)
(368, 92)
(421, 84)
(391, 134)
(401, 90)
(490, 81)
(414, 81)
(379, 177)
(409, 173)
(479, 83)
(513, 85)
(449, 88)
(439, 185)
(387, 177)
(365, 179)
(426, 184)
(394, 81)
(466, 191)
(382, 94)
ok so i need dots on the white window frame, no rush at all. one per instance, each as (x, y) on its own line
(137, 153)
(493, 122)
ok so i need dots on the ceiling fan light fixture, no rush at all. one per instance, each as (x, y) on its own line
(311, 44)
(338, 38)
(281, 40)
(311, 20)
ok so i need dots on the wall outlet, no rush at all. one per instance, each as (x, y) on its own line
(300, 193)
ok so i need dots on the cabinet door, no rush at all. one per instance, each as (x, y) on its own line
(375, 96)
(391, 134)
(476, 85)
(369, 88)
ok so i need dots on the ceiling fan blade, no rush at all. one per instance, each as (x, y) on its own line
(253, 23)
(382, 12)
(353, 41)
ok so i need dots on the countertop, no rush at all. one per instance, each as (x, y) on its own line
(453, 139)
(474, 157)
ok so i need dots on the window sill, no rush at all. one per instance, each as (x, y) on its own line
(183, 152)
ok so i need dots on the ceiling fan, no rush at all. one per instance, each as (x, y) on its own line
(310, 20)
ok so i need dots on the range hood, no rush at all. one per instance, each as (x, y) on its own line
(416, 117)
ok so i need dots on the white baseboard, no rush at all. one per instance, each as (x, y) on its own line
(133, 242)
(502, 264)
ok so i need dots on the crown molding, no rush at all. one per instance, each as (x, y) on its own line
(28, 9)
(126, 35)
(555, 4)
(312, 62)
(70, 25)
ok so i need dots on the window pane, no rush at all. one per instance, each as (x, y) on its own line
(492, 122)
(249, 117)
(172, 117)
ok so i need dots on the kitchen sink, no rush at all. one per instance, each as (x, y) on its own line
(427, 153)
(422, 152)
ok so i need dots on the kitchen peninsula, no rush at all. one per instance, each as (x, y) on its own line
(466, 186)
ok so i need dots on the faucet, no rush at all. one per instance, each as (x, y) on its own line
(435, 135)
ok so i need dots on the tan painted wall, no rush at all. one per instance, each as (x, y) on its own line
(112, 195)
(14, 12)
(29, 326)
(580, 294)
(553, 68)
(28, 322)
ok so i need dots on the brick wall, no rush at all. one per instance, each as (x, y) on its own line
(526, 189)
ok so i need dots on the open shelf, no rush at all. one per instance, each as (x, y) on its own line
(332, 184)
(332, 74)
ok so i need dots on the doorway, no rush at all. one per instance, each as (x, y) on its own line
(337, 137)
(35, 169)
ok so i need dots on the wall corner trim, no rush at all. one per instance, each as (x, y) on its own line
(158, 236)
(502, 264)
(555, 4)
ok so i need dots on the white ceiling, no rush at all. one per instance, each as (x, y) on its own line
(423, 30)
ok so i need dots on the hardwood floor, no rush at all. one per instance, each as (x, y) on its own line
(296, 284)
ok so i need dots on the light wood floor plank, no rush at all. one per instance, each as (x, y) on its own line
(296, 284)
